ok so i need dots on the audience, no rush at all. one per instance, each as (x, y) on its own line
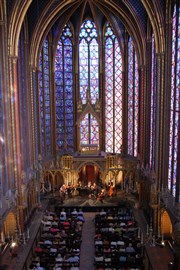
(59, 244)
(116, 241)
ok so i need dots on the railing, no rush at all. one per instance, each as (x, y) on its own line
(148, 264)
(31, 250)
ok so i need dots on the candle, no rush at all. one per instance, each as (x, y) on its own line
(162, 238)
(139, 232)
(147, 229)
(24, 239)
(142, 238)
(162, 242)
(2, 237)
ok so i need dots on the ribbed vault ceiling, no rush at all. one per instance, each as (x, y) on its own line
(44, 15)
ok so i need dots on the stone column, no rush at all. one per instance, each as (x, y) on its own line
(159, 121)
(125, 97)
(142, 147)
(147, 104)
(15, 120)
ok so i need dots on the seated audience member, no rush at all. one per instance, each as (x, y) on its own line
(106, 249)
(47, 242)
(80, 217)
(66, 225)
(73, 259)
(53, 249)
(54, 230)
(74, 212)
(63, 234)
(39, 267)
(99, 258)
(102, 212)
(130, 248)
(59, 258)
(57, 267)
(122, 258)
(54, 224)
(38, 249)
(76, 251)
(63, 216)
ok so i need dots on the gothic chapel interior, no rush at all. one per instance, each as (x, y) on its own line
(90, 93)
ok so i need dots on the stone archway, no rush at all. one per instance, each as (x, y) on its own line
(10, 225)
(166, 224)
(89, 173)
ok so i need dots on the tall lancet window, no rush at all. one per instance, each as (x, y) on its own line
(113, 92)
(175, 104)
(64, 91)
(88, 62)
(153, 105)
(89, 130)
(133, 100)
(44, 101)
(89, 80)
(22, 58)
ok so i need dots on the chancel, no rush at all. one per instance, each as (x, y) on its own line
(89, 134)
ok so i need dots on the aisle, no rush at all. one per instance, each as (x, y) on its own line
(87, 246)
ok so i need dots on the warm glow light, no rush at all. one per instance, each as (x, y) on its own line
(13, 244)
(1, 139)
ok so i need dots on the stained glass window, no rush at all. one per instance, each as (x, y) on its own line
(175, 104)
(22, 98)
(88, 62)
(153, 105)
(133, 100)
(113, 92)
(89, 130)
(89, 79)
(64, 91)
(44, 100)
(2, 136)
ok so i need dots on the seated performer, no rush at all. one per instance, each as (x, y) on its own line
(101, 196)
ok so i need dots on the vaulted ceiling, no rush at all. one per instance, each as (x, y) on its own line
(40, 16)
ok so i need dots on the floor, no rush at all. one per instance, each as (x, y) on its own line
(159, 256)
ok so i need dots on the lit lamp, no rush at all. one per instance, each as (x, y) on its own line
(150, 239)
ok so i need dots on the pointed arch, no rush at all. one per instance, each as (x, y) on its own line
(16, 21)
(157, 21)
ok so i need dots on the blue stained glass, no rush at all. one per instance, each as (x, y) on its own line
(174, 105)
(153, 106)
(65, 106)
(22, 104)
(113, 92)
(133, 100)
(44, 96)
(88, 60)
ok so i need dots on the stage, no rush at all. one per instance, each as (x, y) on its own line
(92, 204)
